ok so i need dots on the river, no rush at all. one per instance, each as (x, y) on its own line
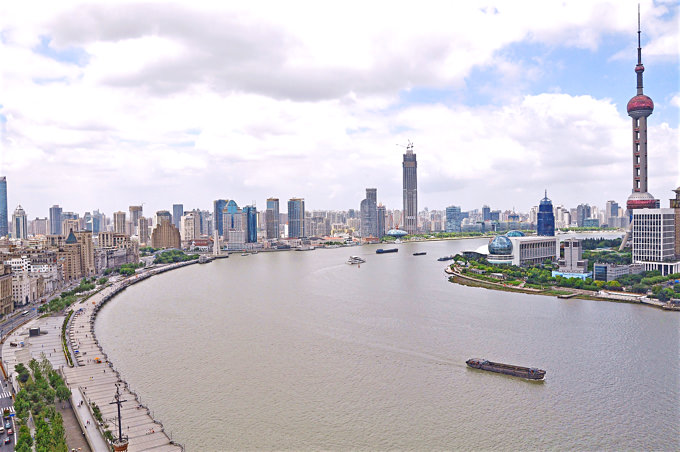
(300, 351)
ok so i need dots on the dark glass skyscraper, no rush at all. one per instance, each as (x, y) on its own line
(4, 227)
(546, 217)
(410, 184)
(177, 212)
(218, 207)
(369, 214)
(296, 218)
(250, 213)
(453, 218)
(55, 220)
(271, 216)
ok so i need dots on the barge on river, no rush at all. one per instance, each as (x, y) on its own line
(532, 373)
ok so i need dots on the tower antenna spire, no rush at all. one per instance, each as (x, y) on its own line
(639, 47)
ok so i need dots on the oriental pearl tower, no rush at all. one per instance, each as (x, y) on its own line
(639, 108)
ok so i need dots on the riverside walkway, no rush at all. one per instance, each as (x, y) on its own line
(94, 380)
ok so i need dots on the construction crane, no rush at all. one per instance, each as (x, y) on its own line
(409, 146)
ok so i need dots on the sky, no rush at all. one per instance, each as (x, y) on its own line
(109, 104)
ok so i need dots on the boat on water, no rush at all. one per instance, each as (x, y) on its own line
(389, 250)
(531, 373)
(422, 253)
(203, 259)
(355, 260)
(445, 258)
(245, 254)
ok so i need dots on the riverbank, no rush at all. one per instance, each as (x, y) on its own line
(94, 379)
(560, 292)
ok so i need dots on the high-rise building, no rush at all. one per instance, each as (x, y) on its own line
(40, 226)
(135, 213)
(382, 214)
(453, 219)
(486, 213)
(55, 220)
(410, 188)
(163, 215)
(143, 230)
(272, 218)
(177, 212)
(250, 214)
(119, 222)
(639, 108)
(582, 213)
(369, 214)
(218, 209)
(19, 224)
(4, 229)
(189, 226)
(296, 218)
(654, 240)
(546, 218)
(165, 234)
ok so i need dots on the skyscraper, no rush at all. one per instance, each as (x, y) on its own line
(582, 213)
(272, 218)
(453, 219)
(296, 218)
(55, 220)
(19, 224)
(639, 108)
(135, 213)
(177, 212)
(250, 214)
(486, 213)
(410, 184)
(369, 214)
(546, 217)
(382, 214)
(143, 230)
(3, 207)
(218, 208)
(119, 222)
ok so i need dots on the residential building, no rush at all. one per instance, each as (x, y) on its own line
(135, 213)
(119, 222)
(40, 226)
(143, 230)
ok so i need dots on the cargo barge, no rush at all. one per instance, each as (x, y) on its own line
(531, 373)
(389, 250)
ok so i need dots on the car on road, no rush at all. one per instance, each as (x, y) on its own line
(10, 432)
(8, 440)
(8, 425)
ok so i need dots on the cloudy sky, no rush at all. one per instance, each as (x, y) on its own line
(103, 105)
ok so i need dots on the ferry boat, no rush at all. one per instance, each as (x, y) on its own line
(389, 250)
(422, 253)
(446, 258)
(531, 373)
(355, 260)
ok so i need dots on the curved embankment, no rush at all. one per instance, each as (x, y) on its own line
(96, 378)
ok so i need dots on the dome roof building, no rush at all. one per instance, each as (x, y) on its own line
(500, 246)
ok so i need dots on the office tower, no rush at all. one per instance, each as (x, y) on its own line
(654, 240)
(119, 222)
(410, 184)
(296, 218)
(177, 212)
(382, 213)
(453, 219)
(4, 229)
(163, 216)
(55, 220)
(206, 222)
(97, 222)
(639, 108)
(272, 218)
(368, 212)
(612, 209)
(250, 214)
(165, 234)
(143, 230)
(135, 213)
(546, 217)
(218, 208)
(188, 226)
(19, 224)
(486, 213)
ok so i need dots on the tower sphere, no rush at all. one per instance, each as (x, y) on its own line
(640, 105)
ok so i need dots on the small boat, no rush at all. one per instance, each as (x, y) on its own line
(531, 373)
(445, 258)
(245, 254)
(422, 253)
(355, 260)
(389, 250)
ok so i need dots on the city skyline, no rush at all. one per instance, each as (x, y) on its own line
(535, 90)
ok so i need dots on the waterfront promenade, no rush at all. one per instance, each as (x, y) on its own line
(93, 379)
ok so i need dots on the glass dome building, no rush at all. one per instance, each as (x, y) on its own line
(396, 233)
(500, 246)
(515, 234)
